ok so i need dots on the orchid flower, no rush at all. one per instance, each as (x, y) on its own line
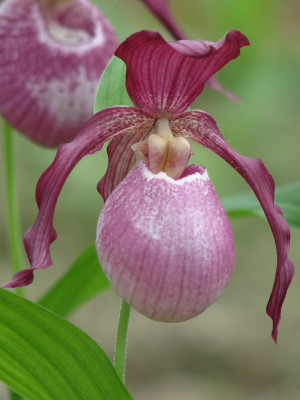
(161, 9)
(162, 226)
(52, 56)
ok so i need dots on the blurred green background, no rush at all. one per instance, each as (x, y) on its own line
(226, 353)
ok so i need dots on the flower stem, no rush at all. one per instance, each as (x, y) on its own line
(121, 344)
(12, 203)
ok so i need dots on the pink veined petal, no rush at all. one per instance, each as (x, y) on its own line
(164, 78)
(94, 133)
(51, 61)
(201, 128)
(166, 245)
(161, 10)
(121, 160)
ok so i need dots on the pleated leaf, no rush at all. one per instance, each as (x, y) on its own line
(287, 197)
(14, 396)
(112, 90)
(44, 357)
(82, 281)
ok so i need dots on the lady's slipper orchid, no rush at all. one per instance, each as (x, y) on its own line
(53, 53)
(161, 9)
(163, 78)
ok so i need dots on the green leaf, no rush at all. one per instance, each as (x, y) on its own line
(44, 357)
(112, 90)
(83, 280)
(287, 197)
(14, 396)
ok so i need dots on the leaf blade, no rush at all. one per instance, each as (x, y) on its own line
(112, 89)
(287, 197)
(42, 356)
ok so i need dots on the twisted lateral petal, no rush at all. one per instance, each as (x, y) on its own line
(94, 133)
(165, 245)
(161, 9)
(201, 128)
(164, 78)
(51, 61)
(121, 160)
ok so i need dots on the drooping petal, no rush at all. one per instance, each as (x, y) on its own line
(94, 133)
(164, 78)
(166, 245)
(121, 160)
(201, 128)
(161, 10)
(51, 60)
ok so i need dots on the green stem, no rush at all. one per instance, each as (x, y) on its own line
(121, 344)
(12, 203)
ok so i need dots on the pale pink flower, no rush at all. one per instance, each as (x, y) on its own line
(163, 79)
(52, 56)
